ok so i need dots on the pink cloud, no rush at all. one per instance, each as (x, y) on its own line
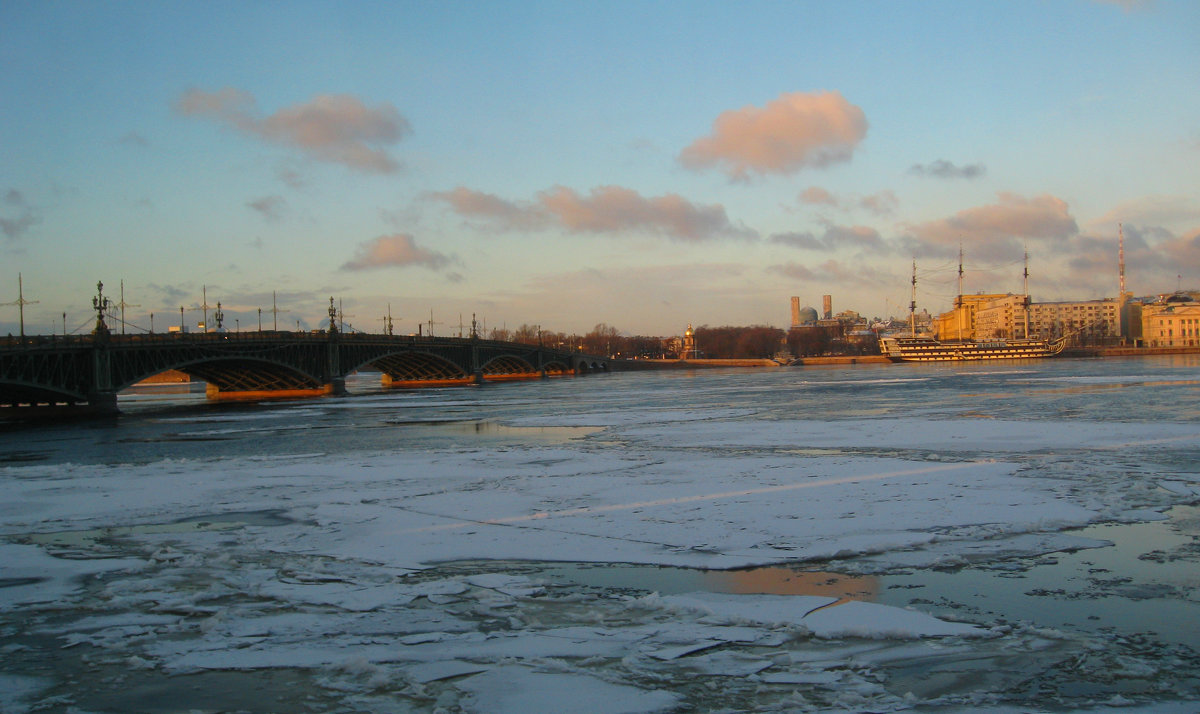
(335, 128)
(398, 250)
(606, 209)
(795, 271)
(997, 230)
(792, 132)
(613, 208)
(883, 203)
(489, 207)
(818, 196)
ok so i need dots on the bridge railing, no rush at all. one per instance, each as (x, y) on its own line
(162, 338)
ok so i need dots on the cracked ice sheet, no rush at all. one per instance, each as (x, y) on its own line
(693, 510)
(971, 435)
(823, 616)
(34, 576)
(410, 510)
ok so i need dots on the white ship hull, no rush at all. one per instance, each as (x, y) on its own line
(927, 349)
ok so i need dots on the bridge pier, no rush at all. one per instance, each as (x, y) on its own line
(102, 402)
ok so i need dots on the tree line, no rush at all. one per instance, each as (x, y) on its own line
(725, 342)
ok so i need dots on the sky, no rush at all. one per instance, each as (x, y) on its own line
(646, 165)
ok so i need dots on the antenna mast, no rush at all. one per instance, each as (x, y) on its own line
(1121, 255)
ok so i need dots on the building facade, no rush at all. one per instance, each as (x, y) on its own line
(1171, 324)
(1088, 321)
(1004, 317)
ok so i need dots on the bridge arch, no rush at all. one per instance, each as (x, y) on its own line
(508, 366)
(413, 366)
(23, 392)
(244, 375)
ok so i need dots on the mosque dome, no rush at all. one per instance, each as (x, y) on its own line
(807, 315)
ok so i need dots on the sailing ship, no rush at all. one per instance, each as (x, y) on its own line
(924, 348)
(927, 349)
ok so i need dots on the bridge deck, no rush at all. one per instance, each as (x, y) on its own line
(89, 371)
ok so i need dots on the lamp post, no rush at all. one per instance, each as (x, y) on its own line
(101, 305)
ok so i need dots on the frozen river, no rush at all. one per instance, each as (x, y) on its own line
(1011, 538)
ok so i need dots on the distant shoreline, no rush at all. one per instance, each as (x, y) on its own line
(1076, 353)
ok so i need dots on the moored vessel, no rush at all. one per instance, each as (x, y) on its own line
(925, 348)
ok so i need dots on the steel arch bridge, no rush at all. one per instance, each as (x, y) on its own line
(88, 372)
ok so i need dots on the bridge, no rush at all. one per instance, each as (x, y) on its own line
(85, 373)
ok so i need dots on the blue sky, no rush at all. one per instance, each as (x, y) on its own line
(642, 164)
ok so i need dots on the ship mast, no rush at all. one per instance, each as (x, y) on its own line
(1026, 291)
(958, 303)
(912, 305)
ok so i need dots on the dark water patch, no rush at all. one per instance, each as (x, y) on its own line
(22, 457)
(1139, 586)
(18, 582)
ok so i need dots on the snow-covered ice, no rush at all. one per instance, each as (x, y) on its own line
(412, 574)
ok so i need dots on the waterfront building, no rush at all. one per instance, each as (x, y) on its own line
(1174, 322)
(1090, 321)
(990, 317)
(959, 322)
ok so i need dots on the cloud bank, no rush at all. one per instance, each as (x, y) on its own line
(834, 237)
(605, 209)
(997, 230)
(397, 250)
(792, 132)
(334, 128)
